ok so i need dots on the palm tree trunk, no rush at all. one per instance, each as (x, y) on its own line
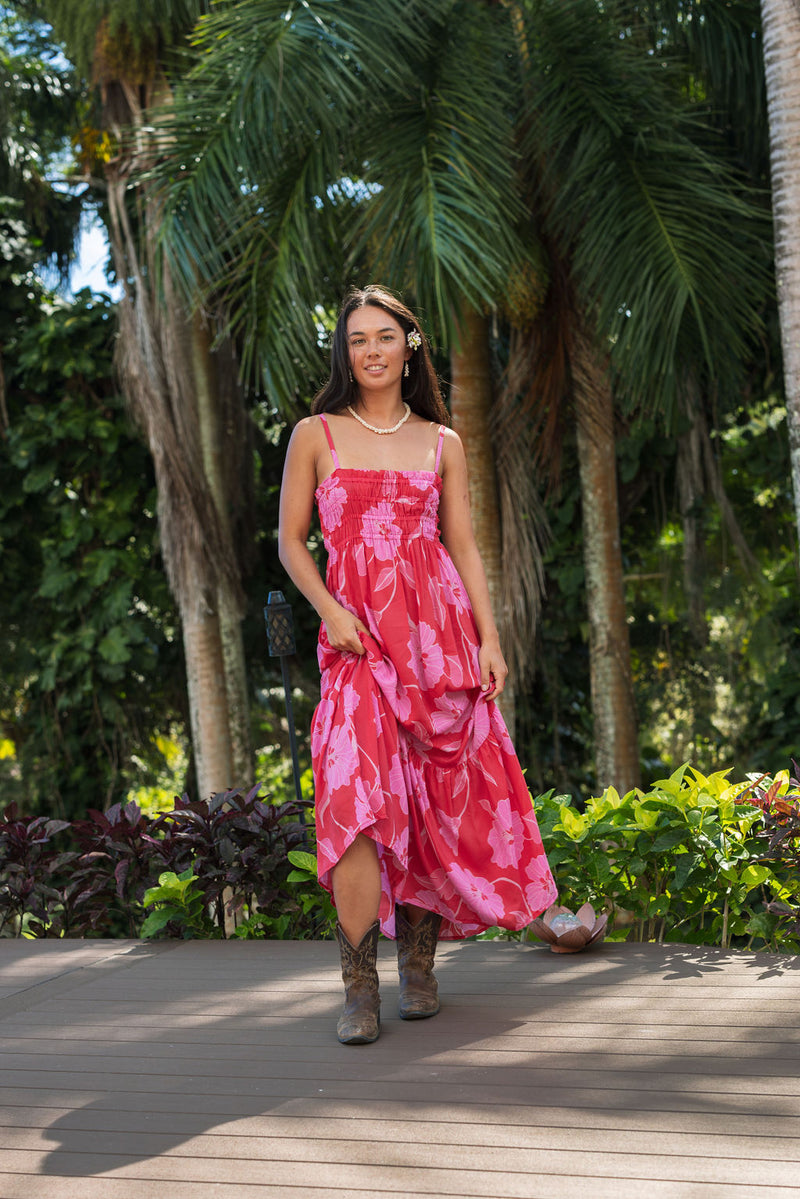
(186, 400)
(691, 494)
(216, 400)
(471, 409)
(208, 700)
(613, 705)
(781, 30)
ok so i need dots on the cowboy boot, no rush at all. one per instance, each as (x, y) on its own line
(416, 946)
(360, 1021)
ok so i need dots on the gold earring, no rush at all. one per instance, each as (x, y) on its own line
(406, 371)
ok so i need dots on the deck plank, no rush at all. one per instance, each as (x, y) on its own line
(212, 1069)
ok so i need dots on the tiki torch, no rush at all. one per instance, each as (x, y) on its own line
(280, 639)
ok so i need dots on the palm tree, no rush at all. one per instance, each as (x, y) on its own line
(405, 159)
(413, 163)
(781, 26)
(180, 380)
(634, 206)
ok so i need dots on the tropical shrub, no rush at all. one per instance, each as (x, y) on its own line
(30, 871)
(307, 912)
(695, 858)
(96, 877)
(180, 902)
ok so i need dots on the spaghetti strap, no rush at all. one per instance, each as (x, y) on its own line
(334, 455)
(439, 449)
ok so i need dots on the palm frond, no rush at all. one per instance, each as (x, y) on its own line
(134, 27)
(718, 44)
(256, 152)
(665, 242)
(446, 201)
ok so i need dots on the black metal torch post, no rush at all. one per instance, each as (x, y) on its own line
(280, 639)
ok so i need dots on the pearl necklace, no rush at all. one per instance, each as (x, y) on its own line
(374, 429)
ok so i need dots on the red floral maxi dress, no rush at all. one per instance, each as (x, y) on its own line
(405, 748)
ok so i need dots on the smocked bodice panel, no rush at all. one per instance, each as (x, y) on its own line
(382, 508)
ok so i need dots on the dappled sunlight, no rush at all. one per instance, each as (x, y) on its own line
(217, 1063)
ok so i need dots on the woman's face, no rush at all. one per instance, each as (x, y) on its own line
(377, 348)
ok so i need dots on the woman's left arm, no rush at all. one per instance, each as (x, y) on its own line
(455, 523)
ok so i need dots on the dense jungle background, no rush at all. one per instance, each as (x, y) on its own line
(577, 199)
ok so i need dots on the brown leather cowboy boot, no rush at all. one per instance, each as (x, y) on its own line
(416, 946)
(360, 1021)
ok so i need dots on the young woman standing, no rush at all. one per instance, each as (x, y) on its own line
(425, 826)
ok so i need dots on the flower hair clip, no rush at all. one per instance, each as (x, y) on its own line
(414, 339)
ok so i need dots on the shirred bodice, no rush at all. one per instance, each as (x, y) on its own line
(379, 506)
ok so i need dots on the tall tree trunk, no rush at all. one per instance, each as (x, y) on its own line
(523, 519)
(691, 494)
(186, 399)
(781, 29)
(613, 705)
(471, 409)
(226, 449)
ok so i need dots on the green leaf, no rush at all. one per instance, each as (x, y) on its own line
(762, 924)
(114, 646)
(573, 823)
(685, 863)
(754, 875)
(303, 860)
(669, 839)
(156, 921)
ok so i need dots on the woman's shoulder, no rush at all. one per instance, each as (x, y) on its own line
(452, 440)
(308, 439)
(308, 430)
(432, 427)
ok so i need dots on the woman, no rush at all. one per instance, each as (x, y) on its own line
(424, 824)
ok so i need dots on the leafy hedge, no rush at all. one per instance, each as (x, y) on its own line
(97, 877)
(695, 859)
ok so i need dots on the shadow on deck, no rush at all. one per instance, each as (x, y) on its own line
(211, 1069)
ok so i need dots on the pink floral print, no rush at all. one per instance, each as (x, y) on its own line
(379, 531)
(405, 747)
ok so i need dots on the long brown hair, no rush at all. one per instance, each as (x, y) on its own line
(420, 390)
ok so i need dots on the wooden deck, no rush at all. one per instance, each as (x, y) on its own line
(193, 1070)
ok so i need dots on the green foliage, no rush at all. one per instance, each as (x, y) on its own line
(179, 903)
(309, 892)
(718, 45)
(735, 694)
(136, 32)
(88, 640)
(449, 168)
(667, 244)
(196, 864)
(694, 859)
(331, 156)
(38, 97)
(309, 912)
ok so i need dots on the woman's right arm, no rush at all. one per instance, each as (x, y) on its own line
(297, 506)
